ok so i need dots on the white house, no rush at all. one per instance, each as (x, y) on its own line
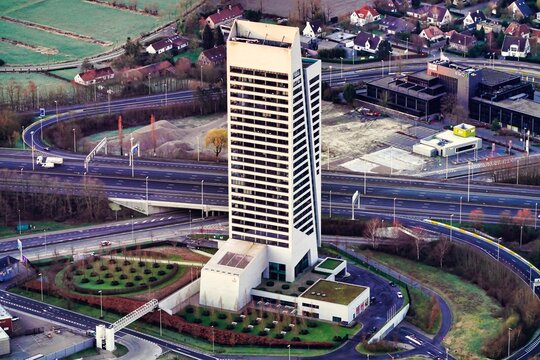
(474, 18)
(365, 15)
(93, 76)
(515, 46)
(432, 33)
(438, 15)
(367, 42)
(313, 29)
(163, 45)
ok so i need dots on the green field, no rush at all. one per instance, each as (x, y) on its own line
(84, 18)
(45, 83)
(68, 74)
(475, 313)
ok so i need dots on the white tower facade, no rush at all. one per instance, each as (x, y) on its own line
(274, 158)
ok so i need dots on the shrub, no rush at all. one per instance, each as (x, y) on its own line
(279, 336)
(312, 324)
(337, 338)
(253, 322)
(296, 338)
(118, 268)
(156, 265)
(230, 327)
(143, 285)
(132, 270)
(169, 266)
(246, 330)
(265, 315)
(85, 280)
(310, 282)
(262, 333)
(304, 332)
(213, 323)
(78, 272)
(285, 286)
(287, 328)
(205, 312)
(271, 325)
(99, 281)
(222, 316)
(112, 261)
(161, 272)
(197, 321)
(108, 275)
(190, 310)
(89, 266)
(152, 279)
(93, 274)
(238, 319)
(114, 283)
(138, 277)
(142, 264)
(127, 262)
(147, 271)
(103, 267)
(269, 283)
(129, 284)
(302, 289)
(123, 276)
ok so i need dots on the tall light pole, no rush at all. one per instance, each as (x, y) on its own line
(213, 347)
(382, 67)
(20, 229)
(289, 347)
(41, 281)
(498, 248)
(535, 214)
(74, 141)
(132, 238)
(520, 236)
(190, 222)
(446, 168)
(330, 203)
(45, 236)
(460, 202)
(509, 331)
(165, 93)
(109, 91)
(451, 226)
(330, 75)
(341, 59)
(202, 198)
(147, 195)
(56, 103)
(469, 182)
(160, 328)
(395, 211)
(149, 88)
(33, 162)
(365, 183)
(517, 173)
(100, 304)
(198, 151)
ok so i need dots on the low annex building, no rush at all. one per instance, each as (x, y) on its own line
(163, 45)
(450, 142)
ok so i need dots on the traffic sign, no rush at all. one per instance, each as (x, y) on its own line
(42, 112)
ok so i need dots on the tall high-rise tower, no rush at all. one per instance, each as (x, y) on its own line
(274, 163)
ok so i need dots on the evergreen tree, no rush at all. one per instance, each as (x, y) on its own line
(220, 40)
(384, 49)
(207, 38)
(418, 28)
(349, 93)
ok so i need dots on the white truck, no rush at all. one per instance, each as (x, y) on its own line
(49, 161)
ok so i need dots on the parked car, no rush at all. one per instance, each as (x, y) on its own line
(391, 283)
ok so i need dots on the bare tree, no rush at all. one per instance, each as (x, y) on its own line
(442, 248)
(419, 235)
(371, 230)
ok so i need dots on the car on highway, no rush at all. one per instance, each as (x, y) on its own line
(399, 295)
(106, 243)
(391, 283)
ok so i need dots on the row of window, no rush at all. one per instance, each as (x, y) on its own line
(266, 107)
(270, 180)
(258, 98)
(258, 155)
(247, 215)
(259, 170)
(261, 241)
(258, 201)
(247, 160)
(266, 74)
(264, 139)
(258, 89)
(255, 129)
(266, 187)
(260, 210)
(242, 79)
(247, 144)
(257, 114)
(260, 225)
(260, 194)
(268, 234)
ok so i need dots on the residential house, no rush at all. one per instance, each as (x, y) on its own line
(439, 15)
(489, 26)
(93, 76)
(515, 46)
(419, 13)
(535, 33)
(392, 25)
(226, 15)
(432, 33)
(313, 29)
(367, 42)
(214, 56)
(538, 16)
(517, 29)
(365, 15)
(519, 9)
(392, 6)
(474, 18)
(461, 42)
(159, 47)
(156, 69)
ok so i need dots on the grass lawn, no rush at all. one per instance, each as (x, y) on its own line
(473, 311)
(167, 334)
(330, 264)
(120, 350)
(68, 74)
(421, 308)
(322, 332)
(192, 55)
(10, 231)
(45, 83)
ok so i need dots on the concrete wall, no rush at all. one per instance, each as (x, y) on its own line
(86, 344)
(171, 303)
(395, 321)
(4, 343)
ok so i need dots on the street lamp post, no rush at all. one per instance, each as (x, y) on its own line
(535, 214)
(100, 304)
(41, 281)
(74, 141)
(33, 162)
(330, 75)
(160, 328)
(20, 229)
(202, 199)
(395, 211)
(213, 347)
(56, 104)
(341, 59)
(132, 238)
(517, 173)
(460, 202)
(147, 195)
(190, 222)
(469, 182)
(509, 331)
(498, 248)
(451, 226)
(289, 347)
(520, 236)
(330, 203)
